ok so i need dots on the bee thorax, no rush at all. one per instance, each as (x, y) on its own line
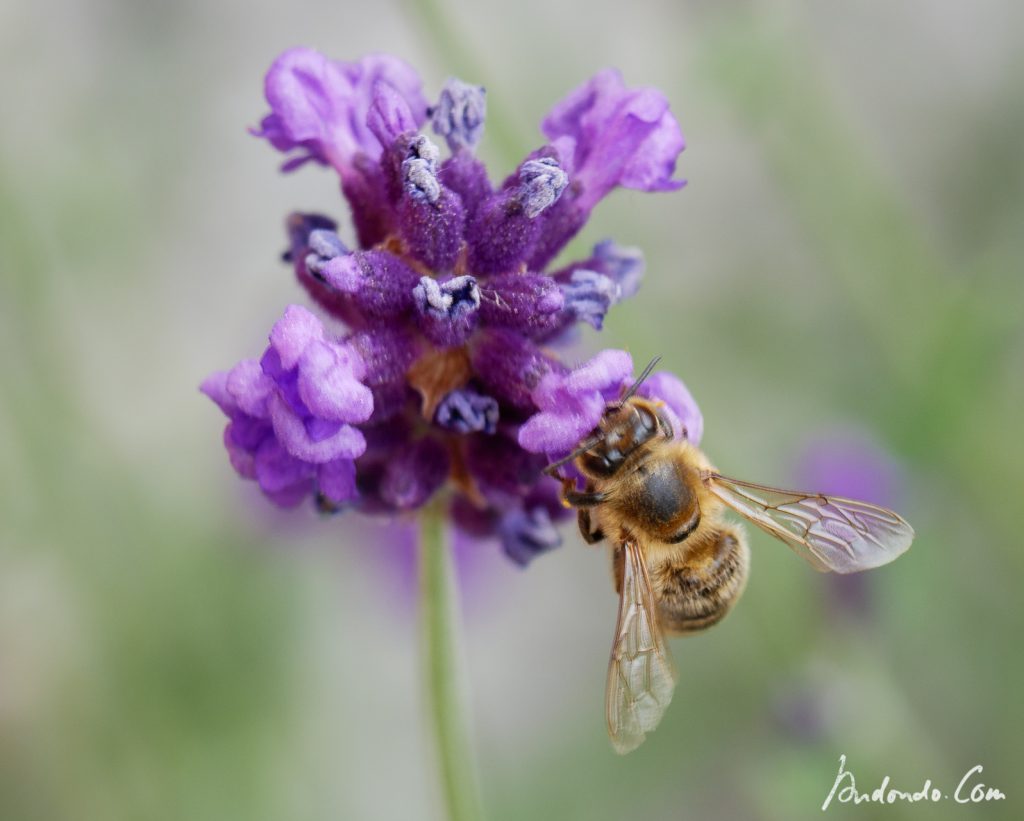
(657, 501)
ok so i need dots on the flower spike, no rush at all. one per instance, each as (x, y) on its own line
(433, 367)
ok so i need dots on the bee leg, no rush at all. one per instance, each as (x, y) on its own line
(574, 498)
(584, 499)
(587, 530)
(618, 567)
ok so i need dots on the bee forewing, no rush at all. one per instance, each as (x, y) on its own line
(640, 674)
(831, 533)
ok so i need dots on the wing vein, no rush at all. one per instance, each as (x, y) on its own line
(832, 533)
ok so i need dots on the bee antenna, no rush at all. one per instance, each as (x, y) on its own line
(583, 447)
(639, 381)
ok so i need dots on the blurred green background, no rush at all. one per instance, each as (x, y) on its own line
(847, 255)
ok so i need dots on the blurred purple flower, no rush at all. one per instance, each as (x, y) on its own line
(852, 464)
(445, 375)
(808, 706)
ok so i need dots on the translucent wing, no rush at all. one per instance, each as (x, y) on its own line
(640, 674)
(830, 532)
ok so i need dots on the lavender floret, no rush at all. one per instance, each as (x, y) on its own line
(589, 295)
(459, 114)
(525, 534)
(466, 411)
(542, 183)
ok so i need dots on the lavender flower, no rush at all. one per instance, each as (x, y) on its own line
(441, 372)
(851, 463)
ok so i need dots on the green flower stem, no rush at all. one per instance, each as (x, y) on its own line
(439, 624)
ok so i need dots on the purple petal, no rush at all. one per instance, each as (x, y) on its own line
(240, 453)
(310, 99)
(292, 333)
(328, 386)
(277, 471)
(250, 387)
(619, 137)
(337, 480)
(605, 372)
(572, 403)
(320, 106)
(389, 116)
(559, 432)
(314, 446)
(249, 433)
(651, 167)
(215, 386)
(366, 72)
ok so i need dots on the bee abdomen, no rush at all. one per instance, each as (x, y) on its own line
(697, 593)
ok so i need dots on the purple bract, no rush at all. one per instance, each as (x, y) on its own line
(441, 370)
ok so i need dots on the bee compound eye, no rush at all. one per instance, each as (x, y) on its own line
(647, 419)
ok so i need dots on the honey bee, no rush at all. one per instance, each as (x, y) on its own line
(679, 565)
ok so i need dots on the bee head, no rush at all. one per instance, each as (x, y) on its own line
(626, 427)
